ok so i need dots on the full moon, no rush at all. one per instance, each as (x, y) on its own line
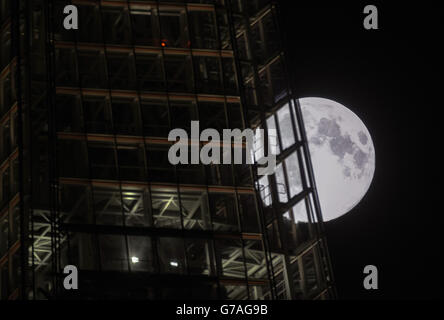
(342, 154)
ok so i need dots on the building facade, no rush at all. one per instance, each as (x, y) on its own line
(85, 176)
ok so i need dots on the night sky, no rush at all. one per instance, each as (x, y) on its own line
(378, 74)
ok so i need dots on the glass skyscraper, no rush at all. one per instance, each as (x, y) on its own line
(85, 178)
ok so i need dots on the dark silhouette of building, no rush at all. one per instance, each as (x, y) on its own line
(85, 176)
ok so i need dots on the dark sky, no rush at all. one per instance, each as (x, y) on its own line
(379, 74)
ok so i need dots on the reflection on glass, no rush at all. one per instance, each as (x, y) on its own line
(281, 184)
(265, 190)
(272, 136)
(294, 175)
(286, 127)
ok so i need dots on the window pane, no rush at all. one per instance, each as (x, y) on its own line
(273, 140)
(113, 252)
(230, 77)
(159, 167)
(73, 159)
(208, 76)
(294, 175)
(150, 72)
(199, 257)
(121, 70)
(4, 230)
(97, 115)
(265, 191)
(182, 113)
(255, 258)
(250, 221)
(83, 251)
(108, 206)
(166, 208)
(102, 158)
(136, 206)
(203, 30)
(223, 210)
(126, 116)
(191, 173)
(281, 185)
(173, 26)
(171, 255)
(140, 253)
(75, 202)
(145, 27)
(155, 118)
(219, 174)
(195, 210)
(224, 29)
(69, 113)
(212, 115)
(286, 127)
(179, 70)
(92, 69)
(131, 162)
(66, 73)
(301, 226)
(91, 30)
(231, 258)
(117, 26)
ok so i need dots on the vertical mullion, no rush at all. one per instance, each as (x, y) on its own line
(115, 144)
(241, 85)
(167, 89)
(147, 207)
(90, 187)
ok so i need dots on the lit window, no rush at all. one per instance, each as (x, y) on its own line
(134, 259)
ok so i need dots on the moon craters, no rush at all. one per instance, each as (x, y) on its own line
(329, 128)
(342, 154)
(360, 158)
(362, 137)
(341, 145)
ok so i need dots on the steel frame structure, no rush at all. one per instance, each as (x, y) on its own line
(89, 184)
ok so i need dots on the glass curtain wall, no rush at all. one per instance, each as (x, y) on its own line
(293, 222)
(84, 171)
(138, 70)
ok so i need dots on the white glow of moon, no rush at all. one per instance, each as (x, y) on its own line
(342, 154)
